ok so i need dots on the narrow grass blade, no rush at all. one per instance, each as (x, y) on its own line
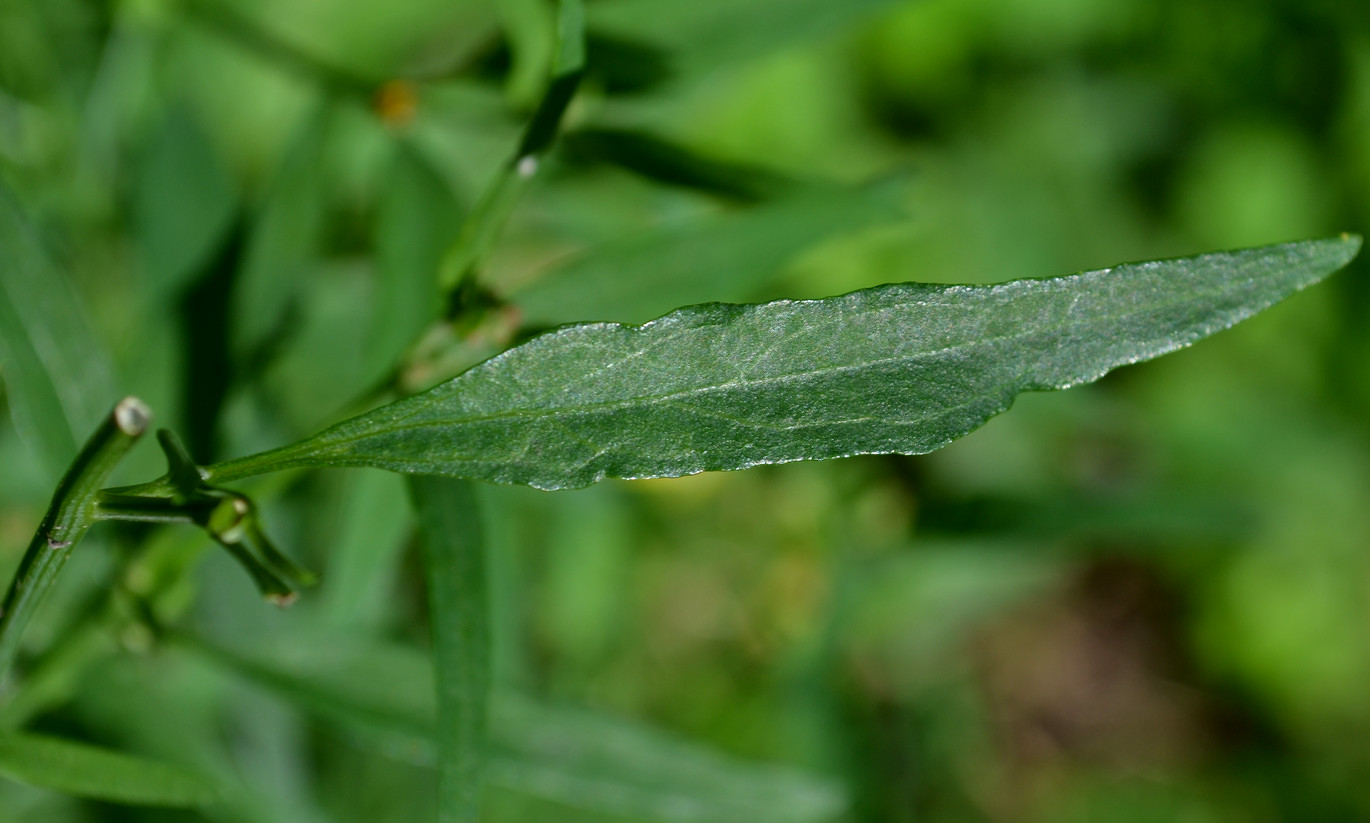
(88, 771)
(183, 204)
(285, 237)
(57, 376)
(413, 226)
(895, 369)
(384, 695)
(451, 532)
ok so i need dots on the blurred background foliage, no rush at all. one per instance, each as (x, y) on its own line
(1141, 600)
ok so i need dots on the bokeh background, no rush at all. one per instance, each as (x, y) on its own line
(1146, 599)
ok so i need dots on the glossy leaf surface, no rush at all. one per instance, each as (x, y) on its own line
(895, 369)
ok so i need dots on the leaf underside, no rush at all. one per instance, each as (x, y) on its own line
(895, 369)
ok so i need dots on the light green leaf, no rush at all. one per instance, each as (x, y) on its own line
(285, 236)
(894, 369)
(705, 36)
(183, 203)
(371, 515)
(724, 257)
(384, 694)
(57, 376)
(454, 566)
(87, 771)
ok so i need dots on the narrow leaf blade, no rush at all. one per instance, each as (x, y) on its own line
(57, 376)
(384, 694)
(895, 369)
(88, 771)
(454, 565)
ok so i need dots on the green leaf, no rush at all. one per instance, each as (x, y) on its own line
(183, 203)
(663, 161)
(413, 226)
(724, 257)
(286, 236)
(705, 36)
(609, 765)
(57, 376)
(384, 694)
(895, 369)
(454, 566)
(371, 518)
(87, 771)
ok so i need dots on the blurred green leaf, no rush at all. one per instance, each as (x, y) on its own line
(285, 237)
(453, 540)
(57, 377)
(372, 519)
(183, 203)
(88, 771)
(724, 257)
(385, 693)
(705, 36)
(895, 369)
(415, 220)
(486, 221)
(665, 162)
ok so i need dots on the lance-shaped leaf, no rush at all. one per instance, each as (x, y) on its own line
(57, 376)
(895, 369)
(88, 771)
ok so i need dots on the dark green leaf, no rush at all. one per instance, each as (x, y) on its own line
(385, 694)
(451, 532)
(665, 162)
(183, 203)
(895, 369)
(724, 257)
(57, 376)
(88, 771)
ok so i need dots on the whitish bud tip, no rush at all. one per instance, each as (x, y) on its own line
(527, 166)
(132, 416)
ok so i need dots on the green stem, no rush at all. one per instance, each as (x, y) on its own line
(486, 222)
(69, 516)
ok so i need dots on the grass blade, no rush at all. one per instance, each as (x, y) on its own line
(895, 369)
(88, 771)
(183, 204)
(57, 377)
(454, 564)
(384, 694)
